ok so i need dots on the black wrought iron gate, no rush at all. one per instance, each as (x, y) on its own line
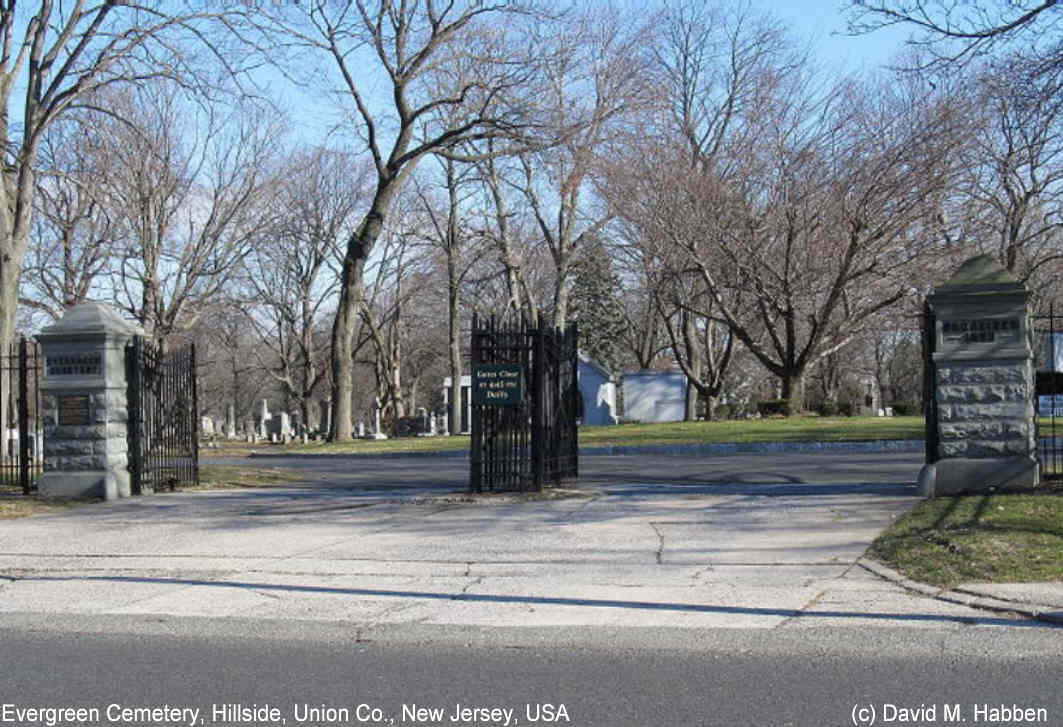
(930, 406)
(163, 417)
(530, 439)
(1048, 395)
(21, 457)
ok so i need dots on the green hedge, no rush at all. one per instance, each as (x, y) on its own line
(906, 408)
(774, 407)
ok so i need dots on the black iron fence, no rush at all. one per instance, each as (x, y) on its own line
(930, 406)
(21, 454)
(1048, 394)
(163, 429)
(525, 405)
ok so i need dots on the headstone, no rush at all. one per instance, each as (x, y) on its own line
(326, 415)
(377, 432)
(444, 421)
(84, 409)
(230, 422)
(264, 417)
(432, 424)
(206, 426)
(361, 429)
(983, 383)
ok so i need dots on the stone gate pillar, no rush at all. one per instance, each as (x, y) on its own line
(83, 401)
(983, 383)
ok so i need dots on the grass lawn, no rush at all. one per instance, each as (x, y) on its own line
(794, 429)
(14, 504)
(212, 477)
(1001, 538)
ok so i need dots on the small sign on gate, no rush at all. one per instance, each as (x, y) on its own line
(498, 385)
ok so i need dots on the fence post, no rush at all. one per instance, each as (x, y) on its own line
(538, 405)
(577, 401)
(133, 354)
(23, 416)
(195, 409)
(929, 384)
(475, 428)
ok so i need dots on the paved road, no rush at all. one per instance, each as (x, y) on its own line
(727, 678)
(679, 542)
(667, 591)
(717, 474)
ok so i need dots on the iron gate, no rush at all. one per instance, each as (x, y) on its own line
(930, 405)
(21, 454)
(1048, 395)
(533, 441)
(163, 430)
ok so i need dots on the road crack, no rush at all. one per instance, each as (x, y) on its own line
(660, 543)
(802, 611)
(465, 590)
(707, 569)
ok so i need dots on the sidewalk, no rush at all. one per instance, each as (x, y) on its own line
(626, 555)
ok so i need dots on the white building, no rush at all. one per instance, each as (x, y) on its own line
(466, 404)
(655, 396)
(598, 391)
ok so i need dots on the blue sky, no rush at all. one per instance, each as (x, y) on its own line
(822, 23)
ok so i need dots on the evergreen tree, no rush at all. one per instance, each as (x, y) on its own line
(596, 307)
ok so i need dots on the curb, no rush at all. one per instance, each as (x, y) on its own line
(963, 598)
(864, 445)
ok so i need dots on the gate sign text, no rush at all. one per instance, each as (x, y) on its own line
(497, 385)
(980, 330)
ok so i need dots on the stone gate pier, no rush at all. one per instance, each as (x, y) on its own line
(83, 402)
(983, 384)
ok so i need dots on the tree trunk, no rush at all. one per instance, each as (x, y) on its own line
(16, 202)
(352, 292)
(694, 363)
(793, 388)
(561, 303)
(9, 278)
(343, 330)
(454, 336)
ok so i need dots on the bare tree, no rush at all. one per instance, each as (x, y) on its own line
(193, 200)
(955, 32)
(702, 344)
(292, 273)
(818, 231)
(399, 277)
(53, 60)
(450, 234)
(595, 83)
(73, 231)
(410, 48)
(1011, 183)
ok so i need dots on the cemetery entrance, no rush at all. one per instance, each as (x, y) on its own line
(526, 400)
(163, 430)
